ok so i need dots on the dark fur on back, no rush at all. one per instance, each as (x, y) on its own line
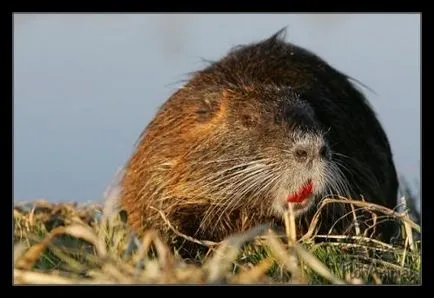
(250, 108)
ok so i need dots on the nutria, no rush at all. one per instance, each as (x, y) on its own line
(269, 123)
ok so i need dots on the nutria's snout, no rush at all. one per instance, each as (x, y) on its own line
(308, 151)
(324, 152)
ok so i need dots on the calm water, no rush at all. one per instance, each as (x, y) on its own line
(86, 85)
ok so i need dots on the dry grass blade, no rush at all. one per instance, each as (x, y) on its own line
(71, 262)
(17, 214)
(290, 225)
(228, 251)
(27, 260)
(19, 250)
(111, 195)
(254, 274)
(369, 206)
(142, 254)
(188, 238)
(376, 279)
(316, 265)
(356, 222)
(165, 258)
(30, 277)
(85, 233)
(282, 255)
(110, 270)
(397, 268)
(406, 244)
(407, 228)
(354, 245)
(358, 238)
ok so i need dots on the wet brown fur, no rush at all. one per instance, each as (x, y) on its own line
(176, 149)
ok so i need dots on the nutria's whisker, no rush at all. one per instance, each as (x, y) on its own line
(232, 194)
(368, 175)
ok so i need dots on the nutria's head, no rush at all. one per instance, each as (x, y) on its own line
(267, 125)
(255, 146)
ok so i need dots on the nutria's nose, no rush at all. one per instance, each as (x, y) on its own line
(324, 152)
(304, 153)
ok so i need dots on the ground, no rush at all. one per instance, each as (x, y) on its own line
(68, 243)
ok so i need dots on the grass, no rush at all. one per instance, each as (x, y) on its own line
(85, 244)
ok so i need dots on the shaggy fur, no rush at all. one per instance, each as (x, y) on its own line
(220, 154)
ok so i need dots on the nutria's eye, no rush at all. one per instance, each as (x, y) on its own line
(203, 114)
(248, 120)
(206, 110)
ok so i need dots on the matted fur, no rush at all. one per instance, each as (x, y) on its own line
(220, 152)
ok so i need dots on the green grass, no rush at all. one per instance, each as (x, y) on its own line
(62, 243)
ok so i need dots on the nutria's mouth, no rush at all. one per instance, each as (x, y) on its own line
(302, 200)
(302, 194)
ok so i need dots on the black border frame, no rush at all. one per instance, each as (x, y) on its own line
(426, 203)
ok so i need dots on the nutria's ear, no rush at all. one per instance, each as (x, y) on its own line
(279, 35)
